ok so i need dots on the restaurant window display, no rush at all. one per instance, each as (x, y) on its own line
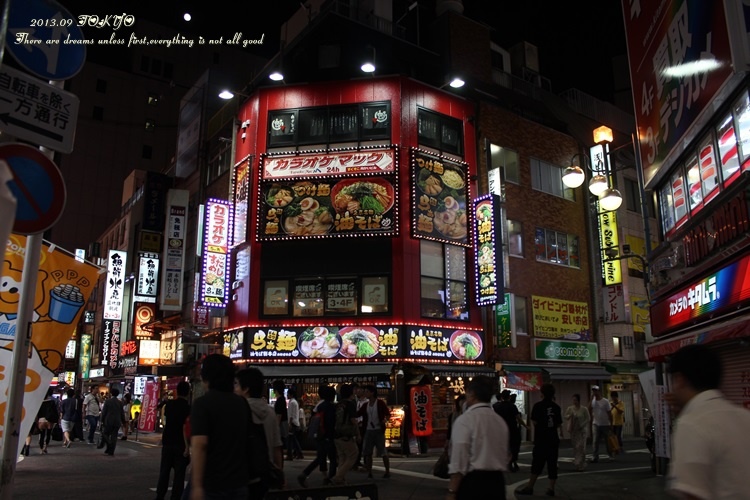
(444, 285)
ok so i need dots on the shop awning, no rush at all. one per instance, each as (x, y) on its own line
(593, 373)
(339, 369)
(626, 368)
(735, 328)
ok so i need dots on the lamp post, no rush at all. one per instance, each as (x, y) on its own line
(601, 172)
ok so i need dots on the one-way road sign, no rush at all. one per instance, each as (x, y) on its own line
(35, 111)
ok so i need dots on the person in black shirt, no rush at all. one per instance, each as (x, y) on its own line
(174, 453)
(68, 411)
(282, 415)
(547, 418)
(325, 445)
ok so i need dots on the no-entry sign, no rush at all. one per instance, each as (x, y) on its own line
(38, 186)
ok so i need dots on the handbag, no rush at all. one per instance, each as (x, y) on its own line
(57, 433)
(613, 445)
(440, 469)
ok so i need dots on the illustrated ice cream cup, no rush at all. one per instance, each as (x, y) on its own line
(65, 302)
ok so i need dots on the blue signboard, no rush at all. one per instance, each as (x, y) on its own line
(45, 39)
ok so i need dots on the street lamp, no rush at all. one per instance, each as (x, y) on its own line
(573, 176)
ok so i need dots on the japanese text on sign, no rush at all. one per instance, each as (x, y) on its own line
(329, 164)
(556, 318)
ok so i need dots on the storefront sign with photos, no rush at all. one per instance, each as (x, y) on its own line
(555, 350)
(445, 343)
(373, 161)
(440, 188)
(237, 344)
(327, 207)
(487, 244)
(320, 343)
(174, 250)
(215, 279)
(148, 275)
(558, 319)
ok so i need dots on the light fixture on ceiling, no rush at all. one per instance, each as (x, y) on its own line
(457, 82)
(276, 76)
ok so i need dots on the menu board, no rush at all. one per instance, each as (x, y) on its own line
(327, 208)
(320, 342)
(439, 193)
(445, 343)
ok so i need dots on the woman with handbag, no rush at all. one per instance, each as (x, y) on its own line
(47, 419)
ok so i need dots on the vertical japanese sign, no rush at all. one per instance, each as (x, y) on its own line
(63, 286)
(215, 279)
(85, 356)
(241, 200)
(174, 250)
(421, 410)
(148, 274)
(113, 302)
(664, 40)
(614, 304)
(144, 313)
(147, 420)
(609, 238)
(487, 242)
(504, 320)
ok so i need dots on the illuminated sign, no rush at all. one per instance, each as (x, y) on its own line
(555, 350)
(144, 314)
(319, 343)
(70, 350)
(89, 317)
(113, 292)
(608, 238)
(560, 319)
(96, 372)
(149, 351)
(445, 343)
(70, 378)
(174, 250)
(358, 206)
(215, 279)
(139, 385)
(439, 193)
(241, 183)
(85, 355)
(727, 288)
(148, 274)
(504, 322)
(421, 410)
(317, 165)
(237, 344)
(488, 241)
(168, 347)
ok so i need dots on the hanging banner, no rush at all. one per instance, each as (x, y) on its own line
(504, 321)
(149, 402)
(174, 250)
(523, 381)
(84, 364)
(421, 410)
(63, 287)
(488, 250)
(241, 183)
(148, 275)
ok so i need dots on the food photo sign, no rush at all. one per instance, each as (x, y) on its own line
(445, 343)
(321, 342)
(439, 194)
(307, 196)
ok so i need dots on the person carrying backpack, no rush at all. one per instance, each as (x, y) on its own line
(347, 433)
(322, 428)
(374, 415)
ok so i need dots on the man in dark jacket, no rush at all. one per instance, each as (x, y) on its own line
(112, 419)
(174, 454)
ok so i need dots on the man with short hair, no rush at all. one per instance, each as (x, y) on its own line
(374, 415)
(601, 418)
(92, 411)
(479, 447)
(174, 453)
(112, 420)
(219, 424)
(711, 438)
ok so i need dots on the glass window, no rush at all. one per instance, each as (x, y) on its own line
(551, 246)
(455, 263)
(374, 295)
(574, 255)
(617, 346)
(376, 121)
(276, 297)
(694, 185)
(557, 248)
(440, 132)
(281, 127)
(444, 291)
(308, 298)
(313, 126)
(730, 163)
(678, 196)
(742, 115)
(433, 298)
(457, 301)
(665, 207)
(708, 168)
(507, 159)
(431, 259)
(519, 309)
(632, 196)
(341, 296)
(343, 123)
(156, 67)
(515, 238)
(548, 178)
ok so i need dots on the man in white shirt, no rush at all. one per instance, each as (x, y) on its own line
(711, 438)
(479, 446)
(601, 419)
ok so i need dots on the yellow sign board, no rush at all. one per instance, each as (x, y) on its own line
(560, 319)
(608, 238)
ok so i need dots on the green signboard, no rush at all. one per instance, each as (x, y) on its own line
(557, 350)
(503, 319)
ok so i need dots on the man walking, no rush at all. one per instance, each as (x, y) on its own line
(374, 415)
(479, 447)
(112, 420)
(347, 433)
(219, 425)
(174, 454)
(711, 438)
(509, 412)
(601, 419)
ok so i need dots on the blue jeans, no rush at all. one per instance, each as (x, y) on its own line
(600, 433)
(92, 420)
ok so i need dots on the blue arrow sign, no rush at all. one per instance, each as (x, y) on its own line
(42, 37)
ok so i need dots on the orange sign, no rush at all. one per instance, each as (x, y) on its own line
(421, 410)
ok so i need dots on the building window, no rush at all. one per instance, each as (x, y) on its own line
(515, 238)
(276, 298)
(374, 295)
(152, 99)
(632, 196)
(101, 86)
(507, 159)
(440, 132)
(519, 310)
(557, 248)
(150, 125)
(444, 288)
(146, 152)
(617, 346)
(547, 177)
(98, 113)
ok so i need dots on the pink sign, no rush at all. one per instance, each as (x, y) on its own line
(147, 420)
(379, 161)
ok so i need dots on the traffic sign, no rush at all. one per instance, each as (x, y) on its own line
(38, 186)
(36, 111)
(45, 39)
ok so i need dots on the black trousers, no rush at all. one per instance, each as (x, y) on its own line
(172, 457)
(109, 435)
(484, 484)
